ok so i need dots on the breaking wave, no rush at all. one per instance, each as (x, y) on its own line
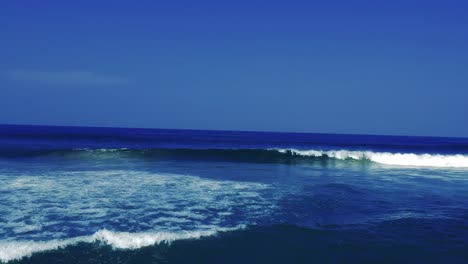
(16, 250)
(399, 159)
(259, 155)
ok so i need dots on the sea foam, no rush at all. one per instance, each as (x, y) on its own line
(398, 159)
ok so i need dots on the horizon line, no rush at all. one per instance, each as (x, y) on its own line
(227, 130)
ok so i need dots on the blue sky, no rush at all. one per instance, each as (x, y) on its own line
(368, 67)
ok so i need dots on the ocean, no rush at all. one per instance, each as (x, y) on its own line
(121, 195)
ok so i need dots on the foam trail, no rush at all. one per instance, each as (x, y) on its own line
(16, 250)
(400, 159)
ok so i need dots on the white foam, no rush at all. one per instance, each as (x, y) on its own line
(100, 149)
(125, 240)
(399, 159)
(39, 210)
(16, 250)
(47, 206)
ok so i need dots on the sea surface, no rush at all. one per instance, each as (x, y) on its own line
(117, 195)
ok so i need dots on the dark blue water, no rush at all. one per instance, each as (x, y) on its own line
(102, 195)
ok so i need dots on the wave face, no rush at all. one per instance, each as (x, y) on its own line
(68, 143)
(274, 155)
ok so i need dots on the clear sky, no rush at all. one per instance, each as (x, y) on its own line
(369, 67)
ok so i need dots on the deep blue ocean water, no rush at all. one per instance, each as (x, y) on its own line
(115, 195)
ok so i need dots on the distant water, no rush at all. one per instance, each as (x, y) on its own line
(102, 195)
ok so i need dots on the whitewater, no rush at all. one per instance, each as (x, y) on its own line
(400, 159)
(16, 250)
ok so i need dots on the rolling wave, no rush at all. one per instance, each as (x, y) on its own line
(16, 250)
(271, 155)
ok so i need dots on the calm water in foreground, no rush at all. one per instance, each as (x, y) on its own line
(101, 195)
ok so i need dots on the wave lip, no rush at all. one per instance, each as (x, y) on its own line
(388, 158)
(126, 240)
(16, 250)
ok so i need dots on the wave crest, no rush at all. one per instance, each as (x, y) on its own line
(388, 158)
